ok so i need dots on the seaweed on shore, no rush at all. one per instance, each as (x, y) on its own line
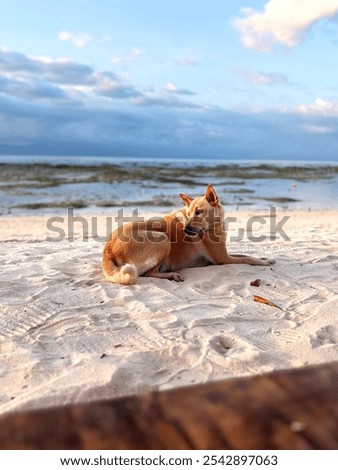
(52, 205)
(44, 175)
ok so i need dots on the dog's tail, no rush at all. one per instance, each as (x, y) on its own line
(125, 274)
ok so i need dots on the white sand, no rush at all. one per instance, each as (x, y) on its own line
(66, 335)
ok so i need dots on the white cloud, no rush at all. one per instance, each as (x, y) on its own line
(33, 78)
(170, 87)
(78, 40)
(320, 107)
(169, 99)
(263, 78)
(186, 62)
(282, 21)
(132, 55)
(135, 54)
(116, 61)
(315, 129)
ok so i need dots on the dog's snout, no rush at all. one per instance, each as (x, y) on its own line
(189, 230)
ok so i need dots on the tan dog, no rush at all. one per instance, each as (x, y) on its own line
(191, 237)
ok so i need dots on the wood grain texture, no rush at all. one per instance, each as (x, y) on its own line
(294, 409)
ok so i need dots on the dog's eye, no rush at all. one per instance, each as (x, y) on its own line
(198, 212)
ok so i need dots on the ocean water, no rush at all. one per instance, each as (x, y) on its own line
(45, 185)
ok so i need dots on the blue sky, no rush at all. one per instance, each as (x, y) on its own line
(249, 79)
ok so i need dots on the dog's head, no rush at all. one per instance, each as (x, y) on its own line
(202, 213)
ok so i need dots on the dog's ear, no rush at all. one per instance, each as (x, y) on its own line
(186, 199)
(211, 196)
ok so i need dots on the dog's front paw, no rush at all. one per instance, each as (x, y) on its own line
(267, 262)
(177, 277)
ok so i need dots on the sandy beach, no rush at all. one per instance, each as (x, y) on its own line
(68, 336)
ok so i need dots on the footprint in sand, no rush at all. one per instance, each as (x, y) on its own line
(234, 348)
(221, 345)
(326, 335)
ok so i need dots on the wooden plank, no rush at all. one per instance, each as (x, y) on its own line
(294, 409)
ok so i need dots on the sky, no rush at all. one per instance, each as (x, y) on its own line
(249, 79)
